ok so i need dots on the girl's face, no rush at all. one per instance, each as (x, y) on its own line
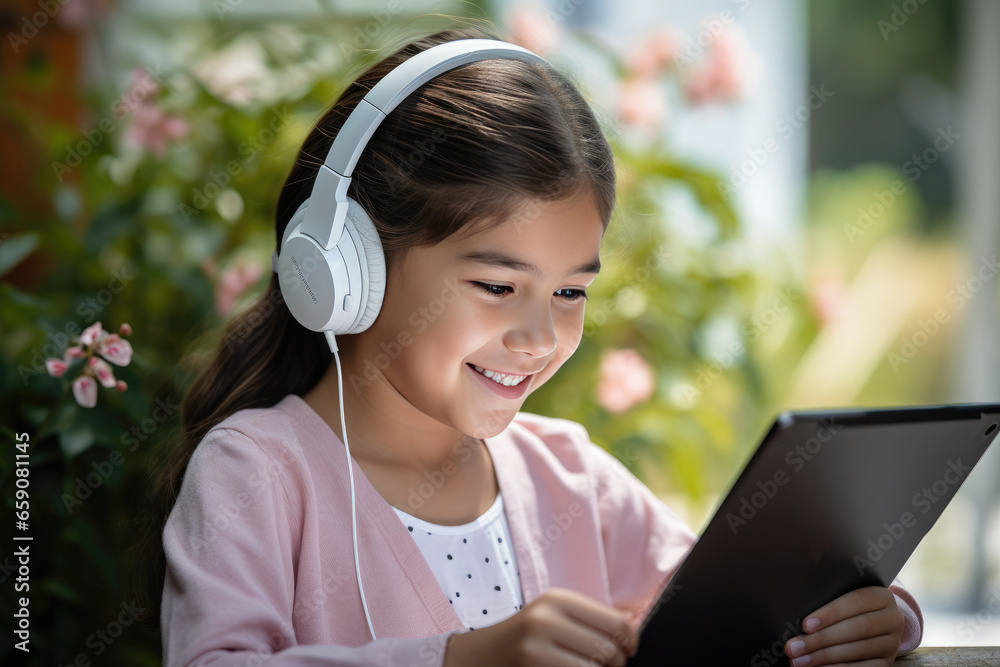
(508, 299)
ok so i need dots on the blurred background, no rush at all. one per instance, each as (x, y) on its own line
(809, 216)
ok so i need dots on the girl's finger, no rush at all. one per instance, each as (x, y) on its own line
(559, 656)
(872, 624)
(874, 662)
(605, 620)
(585, 644)
(850, 604)
(883, 647)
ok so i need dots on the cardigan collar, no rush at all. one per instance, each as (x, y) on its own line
(516, 487)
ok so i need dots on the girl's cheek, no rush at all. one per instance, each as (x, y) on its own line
(570, 333)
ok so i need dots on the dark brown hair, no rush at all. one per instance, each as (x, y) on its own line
(470, 146)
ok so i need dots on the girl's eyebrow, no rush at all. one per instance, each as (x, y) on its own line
(500, 259)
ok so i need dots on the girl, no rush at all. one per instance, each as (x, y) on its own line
(485, 535)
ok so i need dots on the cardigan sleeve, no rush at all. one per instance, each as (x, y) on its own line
(231, 547)
(645, 542)
(913, 628)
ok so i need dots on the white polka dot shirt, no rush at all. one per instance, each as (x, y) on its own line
(474, 563)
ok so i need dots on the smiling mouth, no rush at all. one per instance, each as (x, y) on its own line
(506, 379)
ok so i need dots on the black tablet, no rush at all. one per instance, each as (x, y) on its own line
(829, 502)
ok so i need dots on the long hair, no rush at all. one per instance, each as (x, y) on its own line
(470, 146)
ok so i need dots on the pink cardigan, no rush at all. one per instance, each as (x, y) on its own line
(260, 557)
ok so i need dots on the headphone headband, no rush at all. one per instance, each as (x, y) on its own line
(330, 258)
(324, 219)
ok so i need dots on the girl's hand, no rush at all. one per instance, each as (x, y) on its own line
(862, 627)
(561, 628)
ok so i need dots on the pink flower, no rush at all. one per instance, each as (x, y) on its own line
(115, 349)
(141, 89)
(625, 380)
(239, 74)
(233, 283)
(125, 329)
(641, 104)
(55, 367)
(91, 334)
(98, 347)
(827, 296)
(532, 28)
(85, 391)
(102, 370)
(727, 73)
(655, 53)
(77, 14)
(150, 128)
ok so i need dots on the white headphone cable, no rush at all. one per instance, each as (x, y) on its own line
(332, 341)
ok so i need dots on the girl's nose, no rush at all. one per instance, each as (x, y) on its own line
(534, 332)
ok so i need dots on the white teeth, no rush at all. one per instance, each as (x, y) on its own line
(500, 378)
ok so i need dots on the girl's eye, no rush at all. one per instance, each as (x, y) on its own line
(489, 288)
(500, 290)
(575, 294)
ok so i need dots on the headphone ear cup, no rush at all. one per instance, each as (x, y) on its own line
(297, 218)
(372, 264)
(311, 314)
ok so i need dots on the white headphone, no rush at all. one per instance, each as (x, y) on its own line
(331, 267)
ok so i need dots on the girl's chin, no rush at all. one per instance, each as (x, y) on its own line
(491, 426)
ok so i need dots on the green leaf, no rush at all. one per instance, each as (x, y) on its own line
(13, 250)
(11, 296)
(92, 543)
(704, 185)
(75, 440)
(111, 221)
(597, 43)
(61, 590)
